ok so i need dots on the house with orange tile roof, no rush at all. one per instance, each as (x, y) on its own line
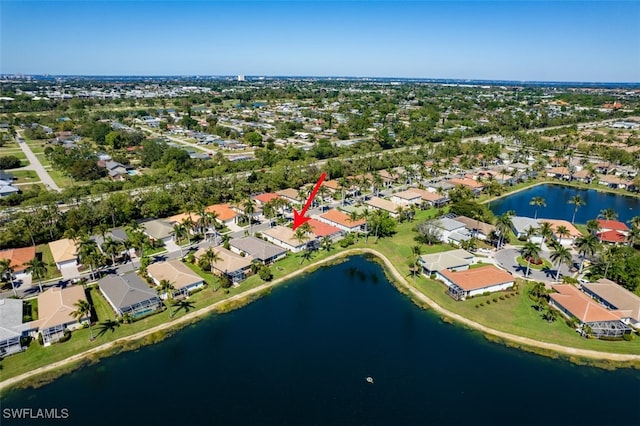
(321, 229)
(613, 232)
(264, 198)
(565, 240)
(473, 282)
(573, 303)
(55, 308)
(225, 215)
(18, 257)
(341, 220)
(472, 184)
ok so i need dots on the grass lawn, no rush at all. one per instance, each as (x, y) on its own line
(25, 176)
(60, 178)
(101, 307)
(545, 264)
(29, 309)
(47, 258)
(4, 152)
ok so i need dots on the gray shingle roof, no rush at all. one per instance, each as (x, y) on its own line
(126, 290)
(257, 248)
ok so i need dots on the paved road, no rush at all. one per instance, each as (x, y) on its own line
(507, 259)
(37, 166)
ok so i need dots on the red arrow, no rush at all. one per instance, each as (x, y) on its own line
(299, 218)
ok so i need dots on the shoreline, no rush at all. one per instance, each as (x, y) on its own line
(507, 338)
(561, 183)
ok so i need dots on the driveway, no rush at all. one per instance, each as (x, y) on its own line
(506, 258)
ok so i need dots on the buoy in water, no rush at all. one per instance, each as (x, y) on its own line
(369, 379)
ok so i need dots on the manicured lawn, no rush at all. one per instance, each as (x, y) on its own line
(47, 258)
(60, 178)
(545, 264)
(29, 310)
(25, 176)
(100, 305)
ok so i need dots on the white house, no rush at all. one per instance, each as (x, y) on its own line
(473, 282)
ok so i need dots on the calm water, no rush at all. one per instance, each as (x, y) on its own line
(557, 197)
(301, 355)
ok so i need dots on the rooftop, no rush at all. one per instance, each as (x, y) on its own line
(126, 290)
(336, 216)
(477, 278)
(18, 257)
(580, 305)
(174, 271)
(56, 305)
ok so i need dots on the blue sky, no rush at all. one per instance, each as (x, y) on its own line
(514, 40)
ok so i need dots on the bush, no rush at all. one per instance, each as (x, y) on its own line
(495, 300)
(9, 162)
(265, 273)
(628, 337)
(488, 302)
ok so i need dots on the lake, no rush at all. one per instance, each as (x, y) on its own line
(557, 197)
(301, 355)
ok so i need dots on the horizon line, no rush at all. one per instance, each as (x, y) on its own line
(325, 77)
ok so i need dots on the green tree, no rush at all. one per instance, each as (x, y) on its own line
(83, 310)
(166, 287)
(6, 272)
(503, 225)
(530, 252)
(537, 202)
(587, 246)
(560, 255)
(577, 202)
(38, 269)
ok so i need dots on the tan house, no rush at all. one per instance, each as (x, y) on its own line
(229, 263)
(284, 237)
(55, 308)
(183, 279)
(64, 252)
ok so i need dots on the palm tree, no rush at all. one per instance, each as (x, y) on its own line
(538, 202)
(561, 255)
(111, 248)
(593, 226)
(546, 230)
(208, 258)
(83, 309)
(538, 291)
(503, 224)
(550, 314)
(249, 209)
(365, 215)
(530, 251)
(587, 246)
(608, 214)
(327, 242)
(166, 287)
(6, 270)
(38, 269)
(416, 250)
(562, 231)
(577, 202)
(86, 249)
